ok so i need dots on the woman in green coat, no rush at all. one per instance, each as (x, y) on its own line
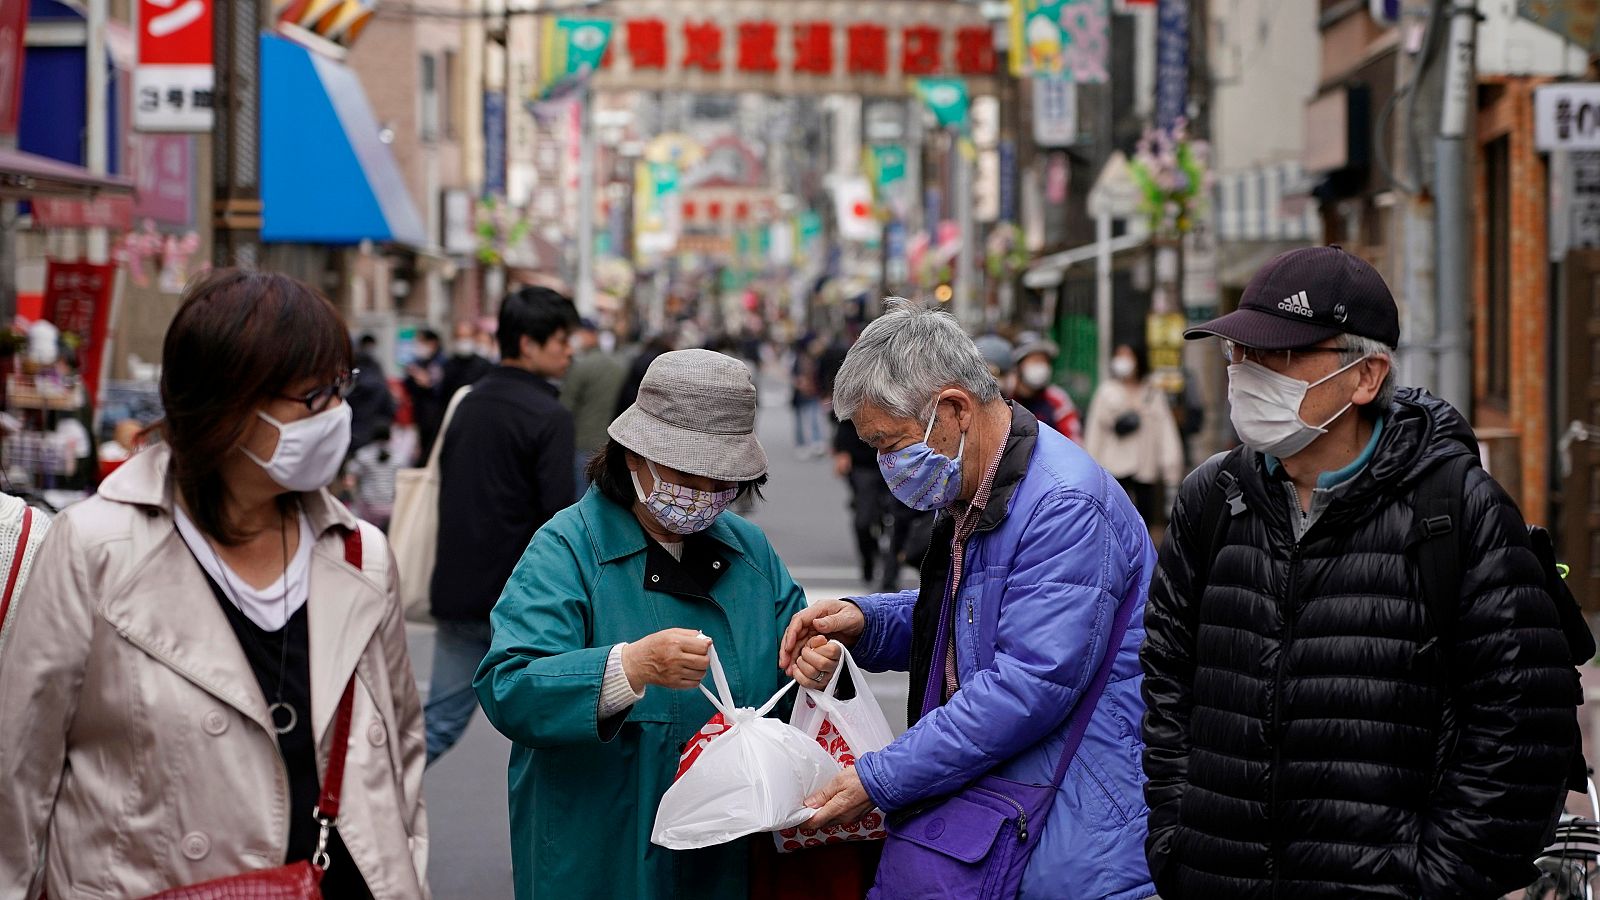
(600, 639)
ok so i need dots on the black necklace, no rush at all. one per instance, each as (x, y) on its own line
(283, 714)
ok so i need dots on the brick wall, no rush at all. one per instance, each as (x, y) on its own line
(1507, 111)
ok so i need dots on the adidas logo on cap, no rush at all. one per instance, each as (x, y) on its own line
(1299, 303)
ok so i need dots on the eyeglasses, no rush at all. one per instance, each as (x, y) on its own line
(1236, 353)
(320, 399)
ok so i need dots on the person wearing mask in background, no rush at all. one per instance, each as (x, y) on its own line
(425, 386)
(601, 637)
(1032, 592)
(504, 470)
(1318, 728)
(1132, 434)
(372, 404)
(1036, 360)
(590, 393)
(466, 364)
(173, 678)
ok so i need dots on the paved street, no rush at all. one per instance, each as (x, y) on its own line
(806, 517)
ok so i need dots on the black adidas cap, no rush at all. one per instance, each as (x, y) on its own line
(1306, 296)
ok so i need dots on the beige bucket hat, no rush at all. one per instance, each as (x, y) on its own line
(696, 413)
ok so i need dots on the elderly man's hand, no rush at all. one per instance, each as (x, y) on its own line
(817, 660)
(837, 620)
(843, 801)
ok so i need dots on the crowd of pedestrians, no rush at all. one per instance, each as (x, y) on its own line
(1349, 670)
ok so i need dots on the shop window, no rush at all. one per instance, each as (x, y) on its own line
(430, 99)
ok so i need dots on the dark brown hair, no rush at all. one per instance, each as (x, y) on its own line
(240, 338)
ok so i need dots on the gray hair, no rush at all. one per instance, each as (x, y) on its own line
(905, 358)
(1355, 347)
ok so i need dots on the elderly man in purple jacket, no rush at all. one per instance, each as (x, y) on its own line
(1035, 550)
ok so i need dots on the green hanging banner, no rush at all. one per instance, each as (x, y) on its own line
(947, 99)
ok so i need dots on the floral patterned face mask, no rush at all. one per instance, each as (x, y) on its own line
(922, 477)
(679, 509)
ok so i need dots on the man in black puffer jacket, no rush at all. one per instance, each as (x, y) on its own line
(1297, 739)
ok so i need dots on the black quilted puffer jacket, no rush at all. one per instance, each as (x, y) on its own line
(1297, 739)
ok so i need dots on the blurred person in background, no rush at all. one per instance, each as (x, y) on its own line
(806, 397)
(466, 364)
(504, 470)
(173, 673)
(1035, 389)
(372, 404)
(370, 478)
(654, 346)
(22, 530)
(1131, 433)
(425, 386)
(590, 392)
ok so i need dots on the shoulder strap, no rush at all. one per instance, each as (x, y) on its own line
(1224, 500)
(333, 782)
(444, 426)
(1078, 722)
(1440, 501)
(16, 563)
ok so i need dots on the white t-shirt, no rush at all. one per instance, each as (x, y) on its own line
(270, 607)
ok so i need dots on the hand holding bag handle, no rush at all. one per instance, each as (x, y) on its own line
(300, 880)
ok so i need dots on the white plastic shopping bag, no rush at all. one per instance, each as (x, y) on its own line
(741, 775)
(846, 729)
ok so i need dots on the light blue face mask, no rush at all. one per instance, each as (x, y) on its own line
(920, 476)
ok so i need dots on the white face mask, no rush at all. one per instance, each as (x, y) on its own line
(310, 451)
(1265, 408)
(1036, 374)
(466, 347)
(1123, 367)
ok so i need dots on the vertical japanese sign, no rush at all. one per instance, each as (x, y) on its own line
(494, 143)
(1172, 62)
(77, 298)
(1060, 38)
(163, 173)
(1055, 111)
(174, 84)
(657, 210)
(13, 22)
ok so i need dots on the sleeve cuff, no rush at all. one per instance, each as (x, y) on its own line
(616, 693)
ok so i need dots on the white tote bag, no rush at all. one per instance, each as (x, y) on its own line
(754, 776)
(414, 525)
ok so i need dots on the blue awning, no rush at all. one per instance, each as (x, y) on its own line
(326, 176)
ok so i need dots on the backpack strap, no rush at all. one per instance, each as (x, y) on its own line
(1224, 500)
(1437, 534)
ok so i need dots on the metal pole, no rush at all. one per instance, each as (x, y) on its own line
(1102, 292)
(96, 156)
(588, 148)
(1451, 207)
(966, 256)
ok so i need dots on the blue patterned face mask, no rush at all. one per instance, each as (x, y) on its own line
(921, 477)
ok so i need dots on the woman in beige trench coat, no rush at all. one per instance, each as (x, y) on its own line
(169, 687)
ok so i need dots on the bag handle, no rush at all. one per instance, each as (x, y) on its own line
(327, 809)
(1078, 722)
(830, 690)
(723, 699)
(16, 563)
(444, 426)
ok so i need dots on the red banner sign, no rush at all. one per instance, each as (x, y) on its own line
(114, 212)
(77, 298)
(13, 22)
(769, 47)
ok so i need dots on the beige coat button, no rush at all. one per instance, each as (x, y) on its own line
(196, 845)
(215, 723)
(377, 735)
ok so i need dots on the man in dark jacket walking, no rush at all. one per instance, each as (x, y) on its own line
(1297, 739)
(505, 469)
